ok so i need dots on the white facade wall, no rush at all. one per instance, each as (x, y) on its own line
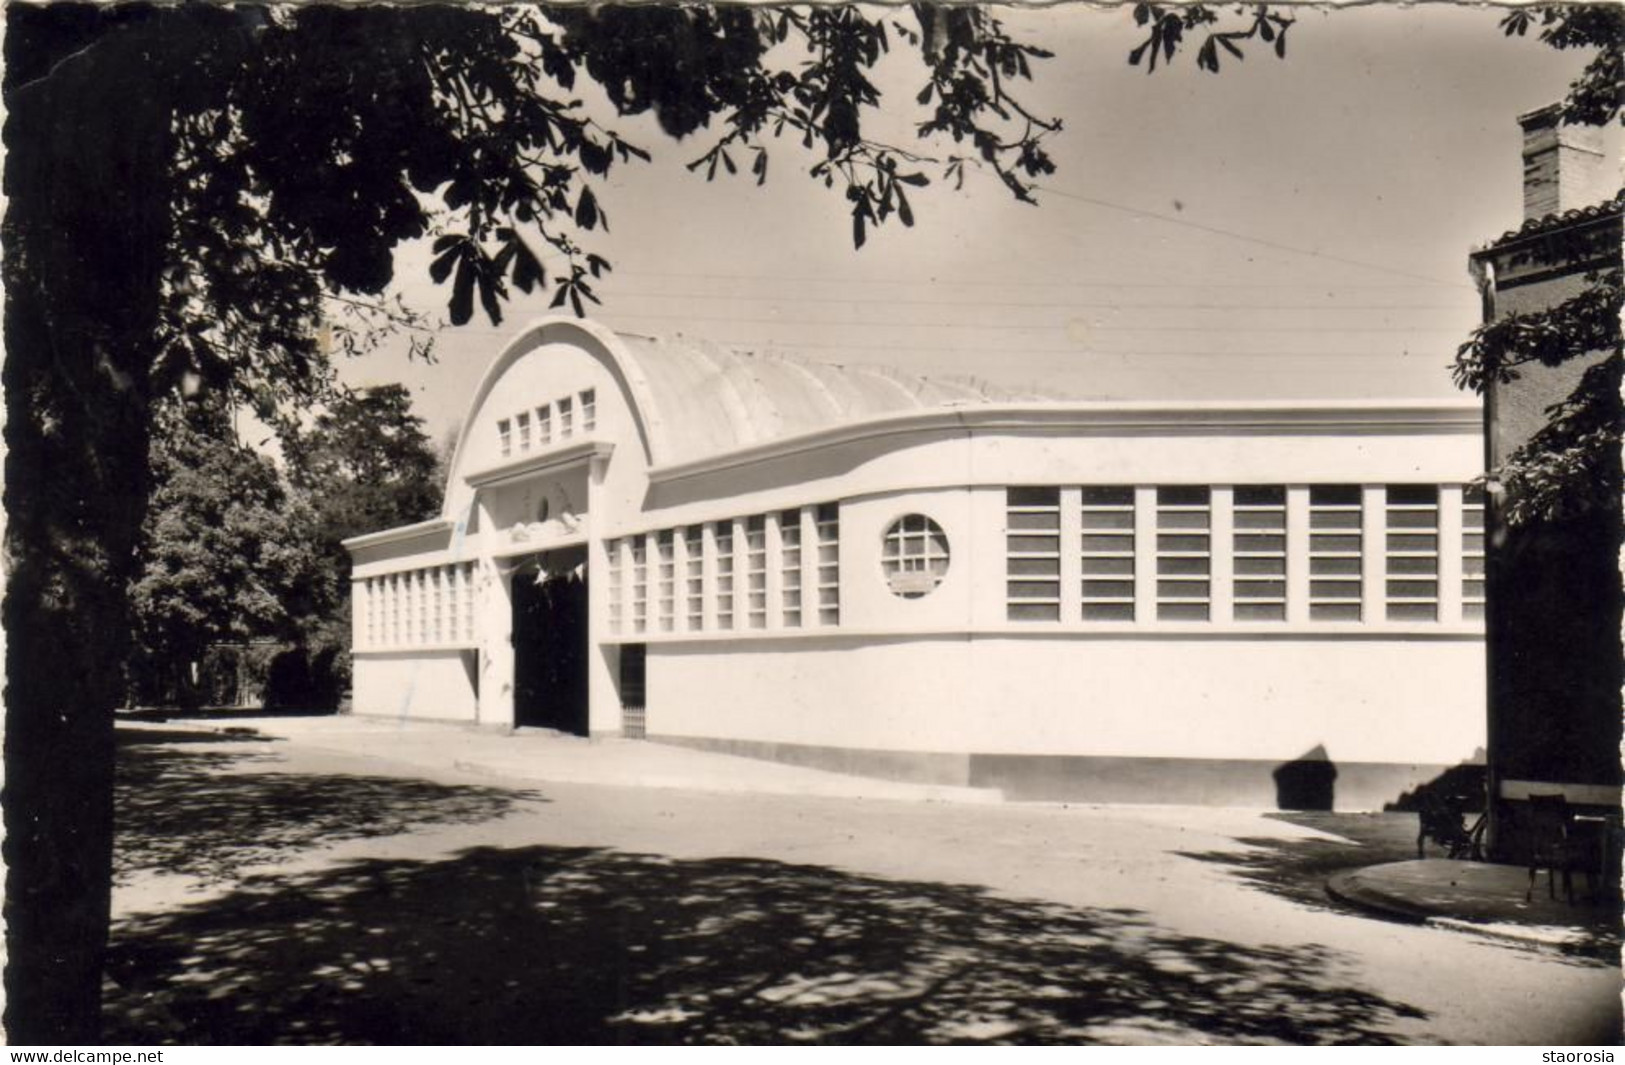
(1119, 698)
(433, 685)
(949, 673)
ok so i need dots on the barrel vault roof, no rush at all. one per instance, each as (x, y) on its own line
(701, 399)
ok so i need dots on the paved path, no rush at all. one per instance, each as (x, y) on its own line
(1491, 897)
(334, 885)
(551, 756)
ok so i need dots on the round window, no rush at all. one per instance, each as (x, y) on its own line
(915, 556)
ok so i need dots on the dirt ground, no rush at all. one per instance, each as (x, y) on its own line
(280, 892)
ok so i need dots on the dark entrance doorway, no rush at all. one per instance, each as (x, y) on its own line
(550, 642)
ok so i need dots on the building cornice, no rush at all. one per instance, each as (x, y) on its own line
(423, 530)
(1351, 417)
(552, 460)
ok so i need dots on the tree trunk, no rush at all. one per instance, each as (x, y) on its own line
(85, 237)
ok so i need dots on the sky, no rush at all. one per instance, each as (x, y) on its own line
(1291, 228)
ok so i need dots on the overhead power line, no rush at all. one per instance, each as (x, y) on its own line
(892, 301)
(1011, 327)
(1262, 242)
(1081, 352)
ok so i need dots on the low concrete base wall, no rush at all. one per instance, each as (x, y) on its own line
(1300, 785)
(913, 767)
(1306, 784)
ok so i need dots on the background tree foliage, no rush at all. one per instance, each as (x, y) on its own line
(1570, 468)
(194, 192)
(365, 464)
(237, 549)
(227, 553)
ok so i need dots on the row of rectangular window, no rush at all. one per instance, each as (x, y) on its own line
(735, 563)
(514, 433)
(1179, 548)
(417, 607)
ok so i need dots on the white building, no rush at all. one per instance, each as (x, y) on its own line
(1194, 602)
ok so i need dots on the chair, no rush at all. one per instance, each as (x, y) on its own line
(1440, 818)
(1553, 846)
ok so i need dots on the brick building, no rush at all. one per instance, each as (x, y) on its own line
(1554, 601)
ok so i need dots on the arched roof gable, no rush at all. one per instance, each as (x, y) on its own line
(691, 399)
(589, 337)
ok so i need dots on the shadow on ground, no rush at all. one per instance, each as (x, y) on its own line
(217, 713)
(210, 811)
(582, 945)
(1297, 869)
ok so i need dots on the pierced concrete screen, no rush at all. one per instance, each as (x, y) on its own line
(1336, 546)
(1184, 553)
(1106, 521)
(1259, 540)
(1412, 549)
(1033, 554)
(1472, 552)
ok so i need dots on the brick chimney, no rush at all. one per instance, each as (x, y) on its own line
(1563, 166)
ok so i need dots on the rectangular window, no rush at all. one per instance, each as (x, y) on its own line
(640, 584)
(423, 605)
(828, 528)
(665, 545)
(1032, 553)
(634, 675)
(694, 574)
(408, 613)
(1184, 553)
(1336, 543)
(1472, 552)
(505, 437)
(612, 555)
(1258, 545)
(756, 570)
(1412, 553)
(437, 615)
(564, 419)
(1107, 523)
(454, 602)
(448, 622)
(790, 567)
(589, 411)
(544, 425)
(522, 422)
(468, 601)
(446, 604)
(448, 588)
(725, 574)
(403, 592)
